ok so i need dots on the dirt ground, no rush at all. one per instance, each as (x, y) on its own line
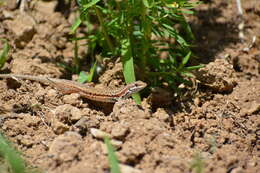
(217, 128)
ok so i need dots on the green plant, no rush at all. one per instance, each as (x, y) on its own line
(113, 162)
(4, 53)
(139, 31)
(197, 164)
(10, 160)
(213, 144)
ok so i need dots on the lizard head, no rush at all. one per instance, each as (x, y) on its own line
(134, 88)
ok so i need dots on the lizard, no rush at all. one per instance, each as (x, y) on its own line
(67, 87)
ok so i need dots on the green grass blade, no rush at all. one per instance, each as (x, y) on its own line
(75, 25)
(188, 30)
(90, 4)
(194, 67)
(4, 53)
(13, 159)
(128, 66)
(92, 72)
(113, 162)
(186, 59)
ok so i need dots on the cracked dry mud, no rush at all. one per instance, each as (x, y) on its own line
(63, 133)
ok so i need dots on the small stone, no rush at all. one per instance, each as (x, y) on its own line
(161, 114)
(128, 169)
(59, 127)
(67, 113)
(119, 131)
(237, 170)
(132, 151)
(128, 109)
(72, 99)
(218, 75)
(76, 114)
(8, 14)
(26, 141)
(23, 29)
(66, 147)
(63, 112)
(117, 144)
(52, 93)
(98, 133)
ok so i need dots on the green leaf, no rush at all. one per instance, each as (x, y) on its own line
(87, 77)
(75, 25)
(187, 29)
(128, 66)
(65, 66)
(194, 67)
(11, 156)
(146, 3)
(187, 74)
(92, 72)
(168, 26)
(90, 4)
(128, 63)
(187, 11)
(186, 59)
(113, 162)
(4, 53)
(138, 33)
(181, 40)
(83, 77)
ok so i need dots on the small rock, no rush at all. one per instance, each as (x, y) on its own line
(52, 93)
(76, 114)
(99, 134)
(119, 131)
(8, 14)
(66, 147)
(26, 141)
(72, 99)
(161, 114)
(131, 151)
(128, 109)
(59, 127)
(67, 113)
(237, 170)
(218, 75)
(117, 144)
(128, 169)
(23, 29)
(81, 123)
(160, 97)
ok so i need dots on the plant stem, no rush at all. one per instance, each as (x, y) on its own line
(76, 58)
